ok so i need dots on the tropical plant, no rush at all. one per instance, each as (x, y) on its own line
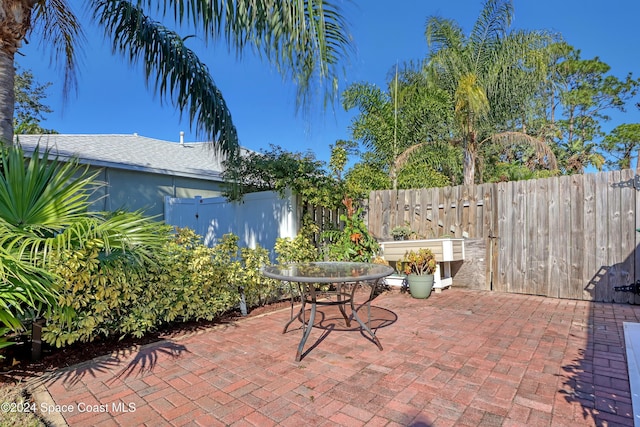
(305, 40)
(44, 209)
(105, 297)
(353, 242)
(491, 75)
(243, 271)
(298, 249)
(420, 262)
(44, 206)
(390, 123)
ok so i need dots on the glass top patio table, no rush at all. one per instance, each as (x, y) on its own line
(327, 272)
(344, 276)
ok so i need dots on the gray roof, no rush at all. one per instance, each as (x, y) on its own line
(133, 152)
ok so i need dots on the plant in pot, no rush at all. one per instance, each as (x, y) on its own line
(419, 267)
(401, 232)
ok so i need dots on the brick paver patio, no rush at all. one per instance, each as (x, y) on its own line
(464, 358)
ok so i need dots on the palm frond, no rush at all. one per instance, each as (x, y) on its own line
(21, 283)
(305, 39)
(490, 29)
(44, 207)
(41, 194)
(132, 232)
(448, 53)
(443, 34)
(129, 233)
(367, 97)
(176, 71)
(492, 23)
(58, 26)
(544, 153)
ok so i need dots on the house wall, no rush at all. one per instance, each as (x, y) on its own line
(132, 190)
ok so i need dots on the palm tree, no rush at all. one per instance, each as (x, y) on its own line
(490, 75)
(306, 40)
(393, 124)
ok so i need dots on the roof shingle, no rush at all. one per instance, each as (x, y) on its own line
(133, 152)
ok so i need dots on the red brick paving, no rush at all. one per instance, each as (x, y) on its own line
(463, 358)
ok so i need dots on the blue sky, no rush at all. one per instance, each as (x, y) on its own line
(112, 97)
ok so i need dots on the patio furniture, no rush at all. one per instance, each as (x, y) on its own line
(345, 278)
(446, 251)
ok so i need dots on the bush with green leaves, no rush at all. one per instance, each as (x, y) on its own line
(106, 296)
(298, 249)
(44, 210)
(353, 242)
(97, 296)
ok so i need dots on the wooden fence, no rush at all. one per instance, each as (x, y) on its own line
(564, 237)
(324, 218)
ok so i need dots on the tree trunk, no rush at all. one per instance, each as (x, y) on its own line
(470, 156)
(15, 21)
(7, 97)
(571, 125)
(469, 167)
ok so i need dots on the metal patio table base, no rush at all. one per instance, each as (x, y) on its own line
(341, 275)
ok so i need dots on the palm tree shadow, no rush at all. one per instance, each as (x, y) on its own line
(578, 386)
(75, 374)
(147, 358)
(144, 361)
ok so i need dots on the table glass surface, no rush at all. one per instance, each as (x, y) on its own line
(327, 272)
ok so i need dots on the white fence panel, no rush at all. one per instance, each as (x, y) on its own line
(259, 219)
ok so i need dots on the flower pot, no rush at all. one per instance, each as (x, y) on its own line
(420, 285)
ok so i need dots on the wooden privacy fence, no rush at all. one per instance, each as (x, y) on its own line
(324, 218)
(564, 237)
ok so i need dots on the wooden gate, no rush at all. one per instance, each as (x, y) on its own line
(564, 237)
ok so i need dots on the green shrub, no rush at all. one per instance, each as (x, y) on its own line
(110, 296)
(243, 271)
(98, 297)
(199, 279)
(102, 295)
(298, 249)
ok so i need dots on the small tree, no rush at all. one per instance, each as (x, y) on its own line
(29, 110)
(621, 143)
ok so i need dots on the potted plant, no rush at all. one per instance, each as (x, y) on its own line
(393, 279)
(400, 232)
(419, 267)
